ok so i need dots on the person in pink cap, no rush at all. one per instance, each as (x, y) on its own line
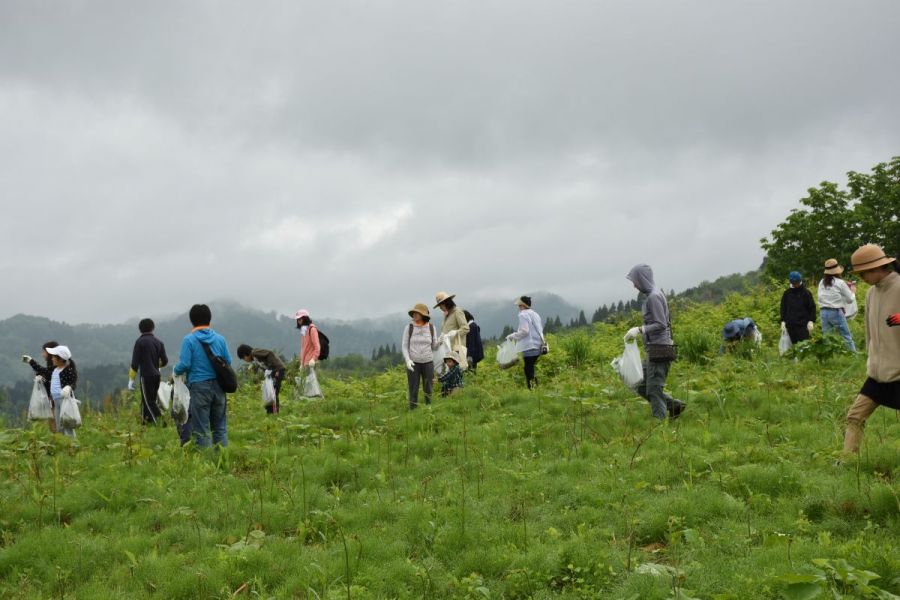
(310, 346)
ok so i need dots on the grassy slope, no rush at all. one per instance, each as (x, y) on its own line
(496, 493)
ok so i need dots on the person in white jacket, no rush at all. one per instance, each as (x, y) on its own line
(834, 297)
(529, 338)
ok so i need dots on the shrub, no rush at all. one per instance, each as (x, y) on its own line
(696, 346)
(578, 349)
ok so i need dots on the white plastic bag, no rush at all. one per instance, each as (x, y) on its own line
(629, 366)
(181, 403)
(163, 395)
(39, 408)
(507, 356)
(311, 387)
(69, 415)
(851, 309)
(784, 344)
(439, 355)
(268, 390)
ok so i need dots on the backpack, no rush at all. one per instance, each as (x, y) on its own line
(225, 375)
(409, 334)
(324, 345)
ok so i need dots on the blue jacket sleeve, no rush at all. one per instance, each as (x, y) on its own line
(185, 357)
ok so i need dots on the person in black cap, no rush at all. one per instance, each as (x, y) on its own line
(529, 338)
(798, 310)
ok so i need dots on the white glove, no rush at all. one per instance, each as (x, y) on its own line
(509, 338)
(809, 326)
(26, 358)
(410, 364)
(783, 327)
(632, 334)
(451, 333)
(67, 391)
(131, 385)
(311, 363)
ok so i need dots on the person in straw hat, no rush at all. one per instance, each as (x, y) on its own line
(834, 297)
(418, 344)
(882, 386)
(455, 326)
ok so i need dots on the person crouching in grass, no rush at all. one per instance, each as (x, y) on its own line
(452, 379)
(265, 360)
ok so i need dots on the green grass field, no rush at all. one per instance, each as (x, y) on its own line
(571, 491)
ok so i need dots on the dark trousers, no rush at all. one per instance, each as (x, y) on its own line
(149, 409)
(277, 378)
(797, 333)
(662, 405)
(529, 362)
(425, 372)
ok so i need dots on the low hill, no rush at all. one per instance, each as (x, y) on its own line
(569, 491)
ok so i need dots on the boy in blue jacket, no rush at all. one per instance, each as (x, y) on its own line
(207, 398)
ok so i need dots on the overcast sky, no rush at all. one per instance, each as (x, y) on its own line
(356, 157)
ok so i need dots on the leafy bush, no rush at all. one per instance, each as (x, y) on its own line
(819, 347)
(697, 346)
(578, 349)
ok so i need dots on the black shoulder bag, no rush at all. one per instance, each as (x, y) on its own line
(225, 375)
(662, 352)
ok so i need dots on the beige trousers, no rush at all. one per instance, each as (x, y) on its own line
(861, 410)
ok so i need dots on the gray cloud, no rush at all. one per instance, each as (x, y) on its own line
(354, 157)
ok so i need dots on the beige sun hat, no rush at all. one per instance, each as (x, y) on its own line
(870, 256)
(419, 308)
(832, 267)
(442, 297)
(453, 354)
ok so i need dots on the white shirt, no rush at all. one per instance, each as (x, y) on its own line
(55, 387)
(838, 295)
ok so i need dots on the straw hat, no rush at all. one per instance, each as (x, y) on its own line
(870, 256)
(442, 297)
(61, 351)
(454, 355)
(419, 308)
(832, 267)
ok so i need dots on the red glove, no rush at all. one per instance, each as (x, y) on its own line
(893, 320)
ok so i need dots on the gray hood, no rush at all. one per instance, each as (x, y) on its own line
(642, 277)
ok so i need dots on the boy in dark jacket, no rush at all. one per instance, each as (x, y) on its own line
(453, 378)
(265, 360)
(798, 311)
(148, 356)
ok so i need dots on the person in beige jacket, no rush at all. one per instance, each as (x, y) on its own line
(455, 326)
(882, 386)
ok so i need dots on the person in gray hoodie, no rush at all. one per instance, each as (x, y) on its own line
(657, 333)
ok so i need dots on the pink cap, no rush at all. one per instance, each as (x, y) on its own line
(301, 313)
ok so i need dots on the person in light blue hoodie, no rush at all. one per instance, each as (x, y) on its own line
(658, 344)
(208, 404)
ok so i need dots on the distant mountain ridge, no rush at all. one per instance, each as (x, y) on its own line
(111, 344)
